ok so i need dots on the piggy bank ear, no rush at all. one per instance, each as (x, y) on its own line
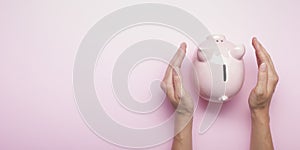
(238, 52)
(201, 55)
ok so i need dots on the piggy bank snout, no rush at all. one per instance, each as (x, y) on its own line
(238, 52)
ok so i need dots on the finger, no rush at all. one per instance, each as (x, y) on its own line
(272, 74)
(163, 86)
(177, 84)
(262, 80)
(167, 84)
(168, 76)
(170, 92)
(168, 87)
(177, 59)
(259, 47)
(260, 55)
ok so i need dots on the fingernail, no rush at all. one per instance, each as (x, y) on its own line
(183, 46)
(263, 67)
(257, 42)
(255, 38)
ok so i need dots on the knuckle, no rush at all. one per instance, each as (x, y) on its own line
(178, 96)
(177, 79)
(169, 86)
(275, 78)
(163, 85)
(169, 89)
(259, 92)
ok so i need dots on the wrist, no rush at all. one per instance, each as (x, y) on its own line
(186, 107)
(184, 130)
(260, 116)
(184, 113)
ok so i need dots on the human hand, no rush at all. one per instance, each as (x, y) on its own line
(260, 99)
(173, 87)
(181, 101)
(261, 95)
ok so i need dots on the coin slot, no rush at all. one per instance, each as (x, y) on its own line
(224, 73)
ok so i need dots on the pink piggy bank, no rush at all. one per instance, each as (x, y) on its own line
(219, 68)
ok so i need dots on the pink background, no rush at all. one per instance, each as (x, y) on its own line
(39, 41)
